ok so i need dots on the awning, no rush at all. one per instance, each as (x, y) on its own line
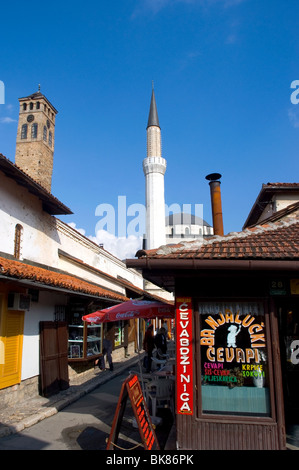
(131, 309)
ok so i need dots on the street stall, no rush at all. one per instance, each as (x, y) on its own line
(155, 391)
(237, 336)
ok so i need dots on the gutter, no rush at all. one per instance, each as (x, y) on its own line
(196, 264)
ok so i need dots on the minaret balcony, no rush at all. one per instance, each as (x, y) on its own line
(154, 165)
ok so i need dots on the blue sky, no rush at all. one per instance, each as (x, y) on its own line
(222, 71)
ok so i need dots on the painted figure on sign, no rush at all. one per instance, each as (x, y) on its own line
(233, 331)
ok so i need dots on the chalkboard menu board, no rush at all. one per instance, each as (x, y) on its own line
(131, 388)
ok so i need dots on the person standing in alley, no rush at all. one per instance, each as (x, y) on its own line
(148, 346)
(160, 342)
(165, 326)
(107, 348)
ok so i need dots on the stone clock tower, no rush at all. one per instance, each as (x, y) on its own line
(35, 138)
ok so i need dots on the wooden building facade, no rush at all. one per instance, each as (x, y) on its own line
(237, 335)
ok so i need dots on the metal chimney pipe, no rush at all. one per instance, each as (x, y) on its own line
(216, 203)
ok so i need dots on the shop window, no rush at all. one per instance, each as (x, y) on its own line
(85, 340)
(24, 131)
(18, 240)
(289, 349)
(234, 361)
(119, 333)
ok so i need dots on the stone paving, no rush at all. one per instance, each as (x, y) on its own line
(15, 418)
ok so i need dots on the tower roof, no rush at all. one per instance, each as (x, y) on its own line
(153, 119)
(38, 96)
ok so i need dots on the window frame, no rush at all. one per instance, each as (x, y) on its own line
(18, 241)
(24, 131)
(34, 130)
(198, 365)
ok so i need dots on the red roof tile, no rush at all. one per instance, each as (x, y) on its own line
(276, 241)
(282, 185)
(19, 270)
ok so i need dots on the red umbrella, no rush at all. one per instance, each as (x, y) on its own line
(131, 309)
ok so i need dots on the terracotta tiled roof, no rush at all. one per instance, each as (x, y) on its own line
(18, 270)
(281, 185)
(38, 96)
(274, 241)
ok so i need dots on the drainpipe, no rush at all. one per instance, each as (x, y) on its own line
(216, 203)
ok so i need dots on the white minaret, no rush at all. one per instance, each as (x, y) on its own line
(154, 167)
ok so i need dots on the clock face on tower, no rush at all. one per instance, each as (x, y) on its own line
(30, 118)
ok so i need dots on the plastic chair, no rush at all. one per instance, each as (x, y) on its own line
(171, 349)
(160, 392)
(157, 361)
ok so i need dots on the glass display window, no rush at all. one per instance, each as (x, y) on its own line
(85, 339)
(75, 342)
(119, 333)
(289, 346)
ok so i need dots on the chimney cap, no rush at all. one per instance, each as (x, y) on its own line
(213, 176)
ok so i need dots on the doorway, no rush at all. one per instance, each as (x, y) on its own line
(54, 357)
(289, 348)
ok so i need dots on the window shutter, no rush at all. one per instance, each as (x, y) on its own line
(12, 341)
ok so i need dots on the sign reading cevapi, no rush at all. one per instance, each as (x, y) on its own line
(184, 356)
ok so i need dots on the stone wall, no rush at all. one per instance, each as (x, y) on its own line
(82, 371)
(26, 390)
(78, 373)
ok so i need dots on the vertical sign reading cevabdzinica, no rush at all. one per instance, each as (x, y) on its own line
(184, 362)
(2, 93)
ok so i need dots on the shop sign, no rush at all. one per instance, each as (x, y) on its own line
(278, 287)
(294, 352)
(294, 286)
(184, 355)
(131, 389)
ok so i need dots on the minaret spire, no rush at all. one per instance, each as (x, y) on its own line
(154, 167)
(153, 119)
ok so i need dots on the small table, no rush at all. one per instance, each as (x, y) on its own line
(166, 374)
